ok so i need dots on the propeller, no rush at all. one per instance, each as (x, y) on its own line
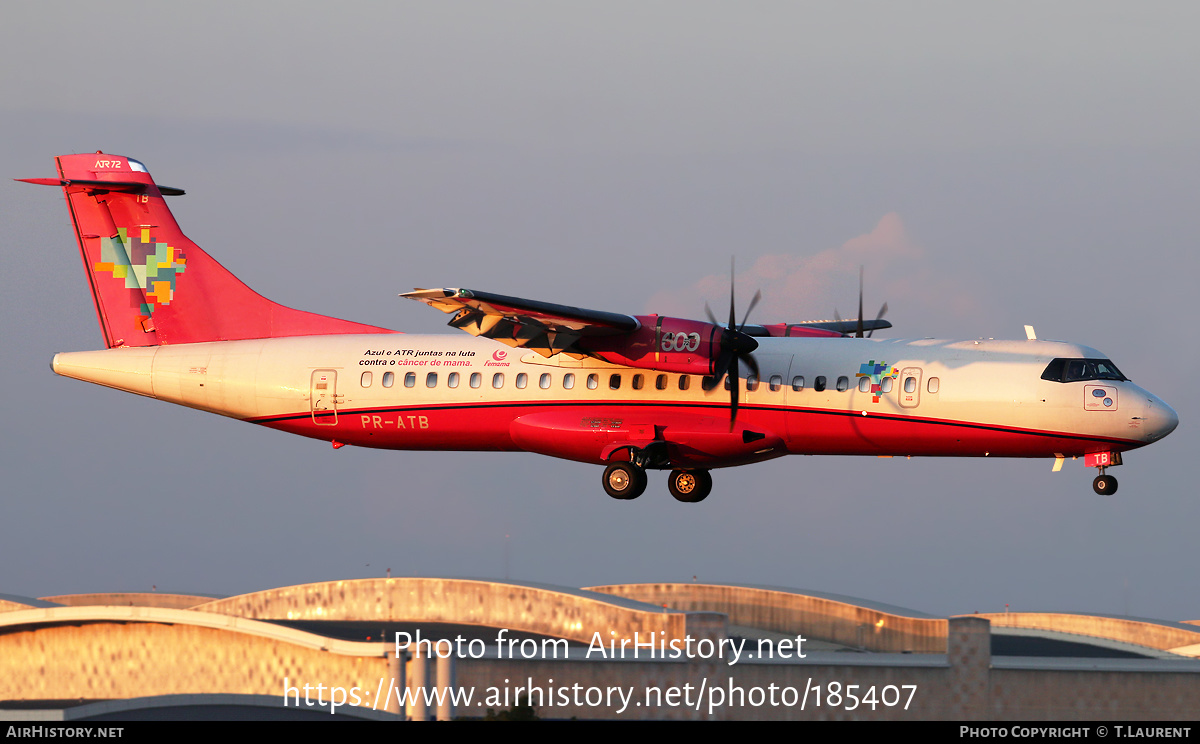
(858, 332)
(735, 345)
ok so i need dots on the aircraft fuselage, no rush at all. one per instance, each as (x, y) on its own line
(420, 392)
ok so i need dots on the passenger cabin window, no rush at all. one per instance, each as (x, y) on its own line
(431, 380)
(751, 382)
(544, 381)
(1075, 370)
(708, 382)
(864, 384)
(819, 383)
(498, 380)
(638, 380)
(568, 381)
(798, 383)
(593, 382)
(843, 384)
(685, 382)
(910, 384)
(776, 383)
(476, 379)
(452, 380)
(366, 379)
(888, 384)
(660, 382)
(933, 384)
(410, 379)
(388, 378)
(614, 382)
(522, 381)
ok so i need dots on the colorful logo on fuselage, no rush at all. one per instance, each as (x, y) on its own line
(876, 373)
(145, 264)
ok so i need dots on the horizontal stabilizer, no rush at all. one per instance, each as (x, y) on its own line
(124, 187)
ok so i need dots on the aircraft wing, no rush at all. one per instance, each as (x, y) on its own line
(838, 327)
(543, 327)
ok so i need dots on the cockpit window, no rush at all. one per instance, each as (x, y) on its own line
(1074, 370)
(136, 166)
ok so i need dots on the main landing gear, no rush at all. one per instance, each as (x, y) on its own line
(626, 481)
(689, 486)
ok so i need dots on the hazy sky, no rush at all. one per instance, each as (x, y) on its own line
(989, 166)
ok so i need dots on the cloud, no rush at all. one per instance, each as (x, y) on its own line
(797, 287)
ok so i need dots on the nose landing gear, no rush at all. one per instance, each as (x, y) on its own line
(1105, 485)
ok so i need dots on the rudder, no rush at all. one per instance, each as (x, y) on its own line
(151, 285)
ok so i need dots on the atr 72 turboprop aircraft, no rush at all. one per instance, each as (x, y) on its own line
(630, 393)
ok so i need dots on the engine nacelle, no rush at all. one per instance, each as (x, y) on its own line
(663, 344)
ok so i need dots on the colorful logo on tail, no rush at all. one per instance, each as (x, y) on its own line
(146, 265)
(876, 372)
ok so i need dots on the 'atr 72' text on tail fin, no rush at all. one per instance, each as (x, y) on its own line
(151, 285)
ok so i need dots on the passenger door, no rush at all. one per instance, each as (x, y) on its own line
(323, 397)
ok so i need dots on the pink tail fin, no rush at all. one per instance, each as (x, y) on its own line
(151, 285)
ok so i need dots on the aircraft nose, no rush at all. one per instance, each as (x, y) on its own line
(1160, 418)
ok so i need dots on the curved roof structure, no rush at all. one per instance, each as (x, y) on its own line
(542, 609)
(10, 602)
(55, 653)
(135, 599)
(55, 616)
(827, 617)
(1178, 638)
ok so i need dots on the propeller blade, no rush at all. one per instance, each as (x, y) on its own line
(882, 311)
(711, 318)
(723, 363)
(859, 334)
(732, 317)
(752, 363)
(753, 302)
(734, 378)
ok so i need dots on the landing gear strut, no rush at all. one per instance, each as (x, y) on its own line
(624, 481)
(689, 486)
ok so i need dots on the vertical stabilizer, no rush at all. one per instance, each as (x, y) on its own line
(151, 285)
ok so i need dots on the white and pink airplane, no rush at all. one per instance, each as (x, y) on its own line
(629, 393)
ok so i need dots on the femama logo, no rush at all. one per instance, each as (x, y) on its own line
(499, 359)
